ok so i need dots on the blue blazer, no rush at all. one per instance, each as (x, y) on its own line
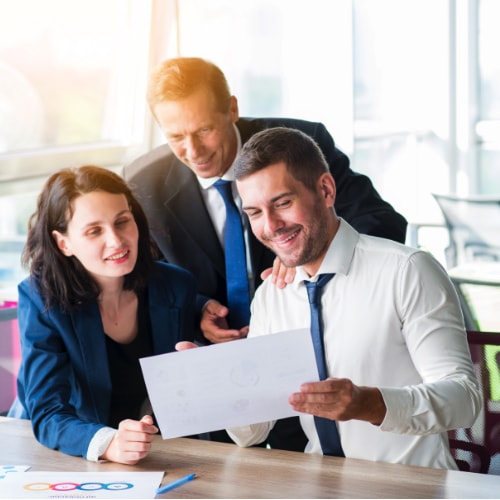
(64, 384)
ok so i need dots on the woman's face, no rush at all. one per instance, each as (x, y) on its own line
(102, 235)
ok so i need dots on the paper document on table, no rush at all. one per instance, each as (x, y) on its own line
(84, 485)
(229, 384)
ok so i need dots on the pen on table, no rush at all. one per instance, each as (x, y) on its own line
(174, 484)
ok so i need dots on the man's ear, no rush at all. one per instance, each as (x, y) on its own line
(62, 243)
(233, 109)
(328, 189)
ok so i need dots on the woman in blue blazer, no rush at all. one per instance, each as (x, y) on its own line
(95, 302)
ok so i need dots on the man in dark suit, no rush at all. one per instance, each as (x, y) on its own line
(192, 104)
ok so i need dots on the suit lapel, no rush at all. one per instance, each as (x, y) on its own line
(88, 328)
(162, 314)
(184, 203)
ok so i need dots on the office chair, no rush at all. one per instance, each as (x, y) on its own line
(470, 445)
(473, 225)
(478, 290)
(470, 457)
(473, 254)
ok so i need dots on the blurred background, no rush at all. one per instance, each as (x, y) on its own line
(407, 89)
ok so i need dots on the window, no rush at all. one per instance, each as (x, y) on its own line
(401, 103)
(488, 121)
(407, 89)
(72, 83)
(72, 91)
(396, 83)
(17, 203)
(281, 57)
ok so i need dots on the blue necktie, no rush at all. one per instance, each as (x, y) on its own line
(238, 295)
(326, 428)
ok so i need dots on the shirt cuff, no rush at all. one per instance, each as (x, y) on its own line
(248, 435)
(99, 443)
(402, 407)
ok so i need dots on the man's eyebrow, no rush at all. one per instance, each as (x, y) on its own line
(282, 195)
(173, 133)
(247, 207)
(274, 199)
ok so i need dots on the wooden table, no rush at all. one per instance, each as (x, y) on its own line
(227, 471)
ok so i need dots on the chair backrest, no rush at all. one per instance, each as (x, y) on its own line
(485, 353)
(484, 435)
(470, 457)
(473, 225)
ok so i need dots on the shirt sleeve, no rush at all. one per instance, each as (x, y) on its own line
(248, 435)
(99, 443)
(61, 417)
(449, 396)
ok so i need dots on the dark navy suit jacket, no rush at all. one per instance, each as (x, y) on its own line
(64, 384)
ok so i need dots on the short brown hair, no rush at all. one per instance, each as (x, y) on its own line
(299, 152)
(178, 78)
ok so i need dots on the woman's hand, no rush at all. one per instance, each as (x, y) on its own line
(132, 442)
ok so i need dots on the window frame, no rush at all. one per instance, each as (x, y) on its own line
(136, 140)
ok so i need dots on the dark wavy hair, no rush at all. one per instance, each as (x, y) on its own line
(62, 280)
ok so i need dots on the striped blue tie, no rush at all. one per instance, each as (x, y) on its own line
(327, 429)
(238, 295)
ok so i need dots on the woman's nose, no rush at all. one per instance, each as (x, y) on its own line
(113, 238)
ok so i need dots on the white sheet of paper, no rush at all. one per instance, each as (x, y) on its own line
(50, 484)
(229, 384)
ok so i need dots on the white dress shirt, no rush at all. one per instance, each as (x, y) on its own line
(391, 320)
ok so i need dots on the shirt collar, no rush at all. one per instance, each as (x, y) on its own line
(206, 183)
(338, 257)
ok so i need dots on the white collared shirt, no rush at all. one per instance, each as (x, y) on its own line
(391, 320)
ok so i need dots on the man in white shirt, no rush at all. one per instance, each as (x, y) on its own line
(397, 360)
